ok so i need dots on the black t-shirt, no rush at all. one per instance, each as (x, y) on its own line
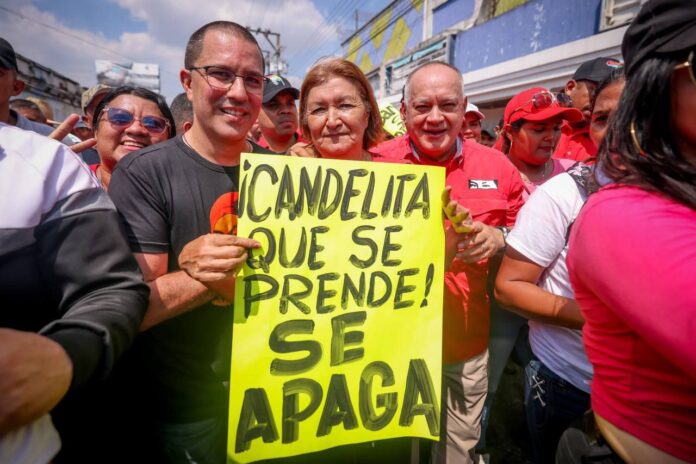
(168, 195)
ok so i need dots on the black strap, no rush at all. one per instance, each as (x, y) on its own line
(581, 174)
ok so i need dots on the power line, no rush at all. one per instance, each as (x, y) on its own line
(66, 33)
(322, 39)
(76, 37)
(324, 31)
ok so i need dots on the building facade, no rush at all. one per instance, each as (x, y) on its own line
(61, 93)
(500, 46)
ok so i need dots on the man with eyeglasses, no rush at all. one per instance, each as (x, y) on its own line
(278, 119)
(179, 200)
(484, 181)
(575, 142)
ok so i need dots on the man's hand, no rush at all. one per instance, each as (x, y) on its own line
(36, 374)
(303, 150)
(64, 129)
(458, 215)
(481, 243)
(215, 257)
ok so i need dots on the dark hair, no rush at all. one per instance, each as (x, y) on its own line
(516, 126)
(615, 75)
(194, 46)
(138, 92)
(338, 67)
(654, 161)
(182, 109)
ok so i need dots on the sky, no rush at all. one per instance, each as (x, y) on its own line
(68, 35)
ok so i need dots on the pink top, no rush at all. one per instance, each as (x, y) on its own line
(632, 264)
(559, 166)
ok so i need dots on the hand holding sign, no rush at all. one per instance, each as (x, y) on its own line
(481, 243)
(214, 257)
(302, 150)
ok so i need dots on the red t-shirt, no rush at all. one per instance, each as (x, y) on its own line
(262, 142)
(484, 181)
(632, 264)
(575, 144)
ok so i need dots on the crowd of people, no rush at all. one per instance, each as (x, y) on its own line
(570, 237)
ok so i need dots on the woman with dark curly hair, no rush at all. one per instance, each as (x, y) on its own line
(632, 257)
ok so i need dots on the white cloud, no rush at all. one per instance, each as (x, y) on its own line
(168, 24)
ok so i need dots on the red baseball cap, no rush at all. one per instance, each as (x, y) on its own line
(538, 104)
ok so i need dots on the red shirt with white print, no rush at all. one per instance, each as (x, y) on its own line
(485, 182)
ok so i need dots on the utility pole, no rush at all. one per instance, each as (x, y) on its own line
(274, 61)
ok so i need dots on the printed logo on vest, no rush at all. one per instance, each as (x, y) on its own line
(482, 184)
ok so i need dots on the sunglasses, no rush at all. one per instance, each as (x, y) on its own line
(118, 117)
(689, 64)
(542, 100)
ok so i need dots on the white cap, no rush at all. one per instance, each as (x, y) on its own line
(471, 108)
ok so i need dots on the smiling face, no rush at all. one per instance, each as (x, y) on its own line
(471, 129)
(224, 115)
(534, 142)
(434, 111)
(337, 118)
(113, 143)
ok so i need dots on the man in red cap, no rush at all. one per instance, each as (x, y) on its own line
(575, 142)
(486, 183)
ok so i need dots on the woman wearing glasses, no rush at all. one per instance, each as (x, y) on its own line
(632, 256)
(126, 120)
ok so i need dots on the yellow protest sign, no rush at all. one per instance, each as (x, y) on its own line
(391, 120)
(338, 317)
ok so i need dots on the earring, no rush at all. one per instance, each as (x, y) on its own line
(634, 137)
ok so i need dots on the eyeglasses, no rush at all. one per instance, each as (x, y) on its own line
(121, 118)
(223, 79)
(542, 100)
(689, 64)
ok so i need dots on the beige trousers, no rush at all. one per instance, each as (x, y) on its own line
(464, 388)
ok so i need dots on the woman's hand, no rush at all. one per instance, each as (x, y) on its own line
(303, 150)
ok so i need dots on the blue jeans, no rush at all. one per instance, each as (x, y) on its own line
(551, 404)
(202, 442)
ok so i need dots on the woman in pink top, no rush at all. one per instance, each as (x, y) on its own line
(531, 129)
(632, 257)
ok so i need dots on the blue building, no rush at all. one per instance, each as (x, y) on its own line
(500, 46)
